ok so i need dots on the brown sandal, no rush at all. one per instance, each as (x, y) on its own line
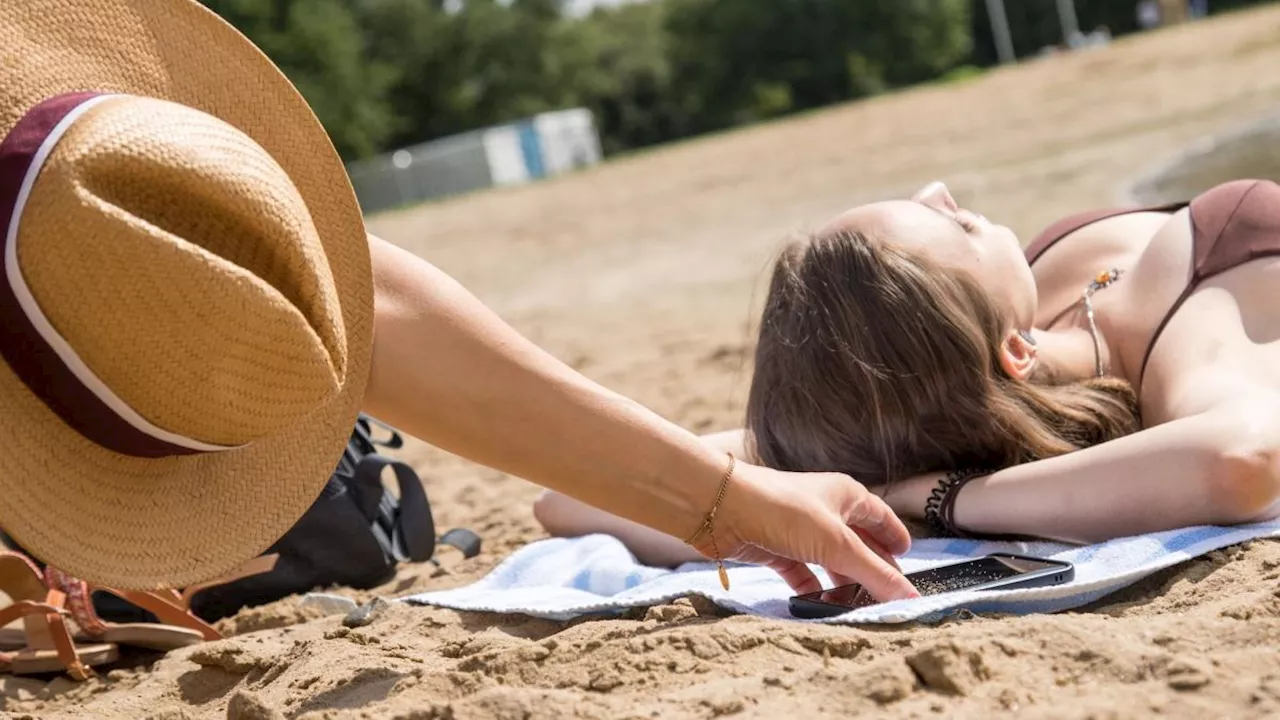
(46, 645)
(178, 626)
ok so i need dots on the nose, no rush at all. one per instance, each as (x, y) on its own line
(937, 196)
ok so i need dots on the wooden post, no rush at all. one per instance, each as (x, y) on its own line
(1173, 12)
(1067, 18)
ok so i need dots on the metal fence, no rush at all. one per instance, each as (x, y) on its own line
(525, 151)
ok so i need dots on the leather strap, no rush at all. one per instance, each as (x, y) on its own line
(169, 606)
(43, 622)
(257, 566)
(167, 609)
(23, 608)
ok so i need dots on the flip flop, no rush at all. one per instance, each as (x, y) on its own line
(177, 627)
(46, 645)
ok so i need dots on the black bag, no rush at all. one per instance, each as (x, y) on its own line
(353, 535)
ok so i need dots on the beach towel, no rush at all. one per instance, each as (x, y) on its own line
(565, 578)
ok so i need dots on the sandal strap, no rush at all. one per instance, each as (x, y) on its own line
(66, 648)
(79, 601)
(167, 610)
(50, 613)
(169, 606)
(257, 566)
(157, 602)
(164, 604)
(23, 608)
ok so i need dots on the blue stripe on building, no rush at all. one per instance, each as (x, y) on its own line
(531, 148)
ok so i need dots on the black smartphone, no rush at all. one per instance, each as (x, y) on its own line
(1001, 571)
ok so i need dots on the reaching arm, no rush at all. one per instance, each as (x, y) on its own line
(563, 516)
(447, 370)
(1218, 468)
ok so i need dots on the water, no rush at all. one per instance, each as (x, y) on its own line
(1253, 152)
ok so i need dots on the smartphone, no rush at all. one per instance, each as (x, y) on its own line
(998, 571)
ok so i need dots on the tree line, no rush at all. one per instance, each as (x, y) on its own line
(382, 74)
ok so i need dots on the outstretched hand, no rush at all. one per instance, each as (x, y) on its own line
(787, 520)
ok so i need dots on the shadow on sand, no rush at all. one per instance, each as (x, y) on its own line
(1252, 151)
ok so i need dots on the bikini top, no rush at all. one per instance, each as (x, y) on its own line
(1231, 224)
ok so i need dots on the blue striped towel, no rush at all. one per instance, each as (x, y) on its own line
(560, 579)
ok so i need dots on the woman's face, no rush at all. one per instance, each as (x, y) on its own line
(932, 223)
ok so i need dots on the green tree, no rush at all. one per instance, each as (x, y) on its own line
(319, 45)
(387, 73)
(742, 61)
(1035, 24)
(487, 62)
(616, 59)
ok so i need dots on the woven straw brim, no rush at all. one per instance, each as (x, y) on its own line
(139, 523)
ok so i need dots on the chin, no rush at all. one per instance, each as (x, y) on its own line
(1033, 292)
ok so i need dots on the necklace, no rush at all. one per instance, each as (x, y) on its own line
(1102, 280)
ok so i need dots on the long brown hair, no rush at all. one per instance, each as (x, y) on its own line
(883, 364)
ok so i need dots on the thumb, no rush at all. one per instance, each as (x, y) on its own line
(796, 574)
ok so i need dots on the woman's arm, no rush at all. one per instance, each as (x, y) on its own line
(1218, 468)
(449, 371)
(562, 516)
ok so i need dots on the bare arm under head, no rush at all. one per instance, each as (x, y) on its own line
(1221, 467)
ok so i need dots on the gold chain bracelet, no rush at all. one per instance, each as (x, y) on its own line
(708, 524)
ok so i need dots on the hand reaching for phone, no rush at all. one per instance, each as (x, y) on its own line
(785, 520)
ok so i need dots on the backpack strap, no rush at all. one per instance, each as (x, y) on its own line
(407, 527)
(364, 428)
(409, 530)
(462, 539)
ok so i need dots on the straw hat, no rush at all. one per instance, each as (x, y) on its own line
(186, 309)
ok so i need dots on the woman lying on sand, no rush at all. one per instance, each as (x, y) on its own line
(913, 345)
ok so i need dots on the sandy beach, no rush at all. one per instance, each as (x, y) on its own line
(645, 274)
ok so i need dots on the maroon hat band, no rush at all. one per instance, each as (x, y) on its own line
(40, 357)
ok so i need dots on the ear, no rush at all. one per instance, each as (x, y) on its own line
(1017, 355)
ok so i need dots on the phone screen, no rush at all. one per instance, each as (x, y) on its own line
(935, 581)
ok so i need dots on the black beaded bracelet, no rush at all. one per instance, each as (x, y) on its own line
(939, 509)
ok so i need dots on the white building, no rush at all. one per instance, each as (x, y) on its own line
(542, 146)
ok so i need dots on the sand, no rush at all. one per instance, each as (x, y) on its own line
(645, 274)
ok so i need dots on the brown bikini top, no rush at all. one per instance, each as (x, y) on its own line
(1231, 224)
